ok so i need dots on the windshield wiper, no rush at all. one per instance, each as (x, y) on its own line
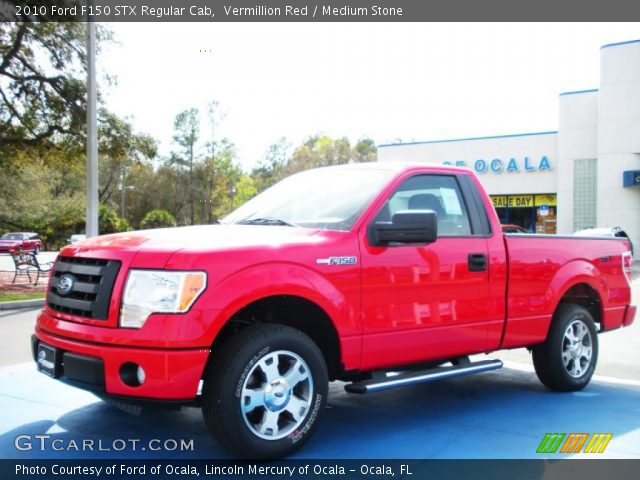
(266, 221)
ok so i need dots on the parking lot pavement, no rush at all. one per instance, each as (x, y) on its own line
(501, 414)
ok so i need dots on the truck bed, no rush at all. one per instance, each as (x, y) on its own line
(541, 269)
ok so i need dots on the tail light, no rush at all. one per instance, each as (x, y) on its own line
(627, 260)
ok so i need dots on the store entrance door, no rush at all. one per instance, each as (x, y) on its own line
(524, 217)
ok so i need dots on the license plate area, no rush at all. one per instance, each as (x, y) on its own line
(49, 360)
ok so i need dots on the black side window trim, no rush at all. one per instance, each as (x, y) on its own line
(479, 220)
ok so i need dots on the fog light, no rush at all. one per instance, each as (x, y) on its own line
(132, 374)
(140, 375)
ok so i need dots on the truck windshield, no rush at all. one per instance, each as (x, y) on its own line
(329, 198)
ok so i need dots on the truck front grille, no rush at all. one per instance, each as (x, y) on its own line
(92, 283)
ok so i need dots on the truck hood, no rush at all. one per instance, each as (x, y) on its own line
(199, 238)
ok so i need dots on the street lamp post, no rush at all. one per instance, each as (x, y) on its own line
(232, 193)
(92, 134)
(123, 189)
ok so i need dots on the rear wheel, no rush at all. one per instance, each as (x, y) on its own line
(567, 359)
(264, 390)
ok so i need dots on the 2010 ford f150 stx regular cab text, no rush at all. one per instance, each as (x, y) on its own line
(339, 273)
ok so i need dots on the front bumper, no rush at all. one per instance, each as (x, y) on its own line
(169, 374)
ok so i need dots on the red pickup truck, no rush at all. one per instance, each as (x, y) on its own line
(378, 275)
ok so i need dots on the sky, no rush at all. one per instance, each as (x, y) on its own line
(386, 81)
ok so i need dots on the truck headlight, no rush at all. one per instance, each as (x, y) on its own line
(158, 291)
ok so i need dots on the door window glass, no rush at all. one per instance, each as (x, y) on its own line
(439, 193)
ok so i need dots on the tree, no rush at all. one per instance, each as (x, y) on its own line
(42, 133)
(269, 169)
(187, 131)
(108, 220)
(216, 115)
(365, 151)
(158, 219)
(225, 188)
(245, 190)
(321, 151)
(42, 83)
(120, 148)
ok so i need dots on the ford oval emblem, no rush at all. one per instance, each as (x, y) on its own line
(65, 284)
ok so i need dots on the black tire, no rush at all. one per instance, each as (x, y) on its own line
(240, 368)
(566, 361)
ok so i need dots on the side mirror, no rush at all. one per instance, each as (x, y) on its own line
(406, 226)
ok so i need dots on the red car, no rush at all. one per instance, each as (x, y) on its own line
(340, 273)
(20, 242)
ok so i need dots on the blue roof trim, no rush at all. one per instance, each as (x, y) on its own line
(470, 138)
(577, 92)
(608, 45)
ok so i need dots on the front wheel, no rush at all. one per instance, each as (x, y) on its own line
(567, 359)
(264, 391)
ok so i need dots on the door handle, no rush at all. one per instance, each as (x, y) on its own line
(477, 262)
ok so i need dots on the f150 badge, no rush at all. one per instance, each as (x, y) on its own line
(337, 261)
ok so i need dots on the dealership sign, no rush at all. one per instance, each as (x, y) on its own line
(513, 165)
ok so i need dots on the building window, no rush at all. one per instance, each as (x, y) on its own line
(585, 186)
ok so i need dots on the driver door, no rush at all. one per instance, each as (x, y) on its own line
(425, 302)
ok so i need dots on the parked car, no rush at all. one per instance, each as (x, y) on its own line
(617, 232)
(379, 275)
(510, 228)
(78, 237)
(20, 242)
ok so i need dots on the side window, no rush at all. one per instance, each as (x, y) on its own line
(439, 193)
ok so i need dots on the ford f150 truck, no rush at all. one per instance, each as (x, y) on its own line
(378, 275)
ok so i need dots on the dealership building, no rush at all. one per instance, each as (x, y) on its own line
(585, 174)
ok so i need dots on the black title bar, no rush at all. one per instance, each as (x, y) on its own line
(317, 11)
(319, 469)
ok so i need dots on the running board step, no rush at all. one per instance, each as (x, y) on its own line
(439, 373)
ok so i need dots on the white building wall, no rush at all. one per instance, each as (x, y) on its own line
(602, 125)
(533, 147)
(577, 139)
(619, 137)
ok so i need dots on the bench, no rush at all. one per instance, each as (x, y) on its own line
(27, 263)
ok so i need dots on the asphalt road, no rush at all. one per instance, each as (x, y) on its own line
(16, 327)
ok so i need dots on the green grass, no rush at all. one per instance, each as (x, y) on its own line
(9, 297)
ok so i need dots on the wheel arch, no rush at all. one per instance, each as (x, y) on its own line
(296, 311)
(585, 295)
(579, 282)
(291, 294)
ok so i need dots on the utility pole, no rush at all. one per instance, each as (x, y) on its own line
(91, 228)
(122, 189)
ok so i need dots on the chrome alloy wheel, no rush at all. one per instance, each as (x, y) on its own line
(276, 395)
(577, 348)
